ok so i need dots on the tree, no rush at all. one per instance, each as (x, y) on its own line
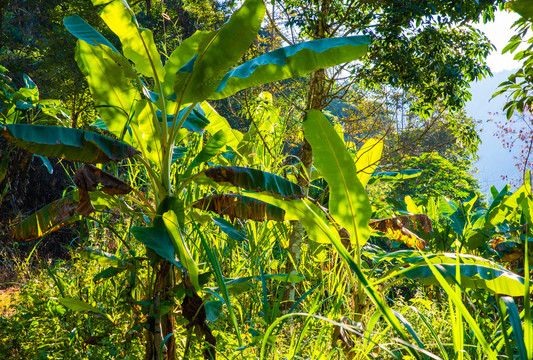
(427, 48)
(518, 132)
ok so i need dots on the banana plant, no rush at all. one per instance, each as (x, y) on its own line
(149, 122)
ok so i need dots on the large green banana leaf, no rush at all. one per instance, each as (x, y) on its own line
(291, 61)
(157, 239)
(83, 31)
(66, 143)
(137, 43)
(348, 203)
(113, 92)
(218, 52)
(114, 83)
(179, 57)
(496, 281)
(254, 180)
(476, 272)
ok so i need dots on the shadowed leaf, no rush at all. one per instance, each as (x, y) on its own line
(71, 144)
(87, 178)
(50, 218)
(240, 207)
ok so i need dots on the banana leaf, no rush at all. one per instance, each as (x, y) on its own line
(229, 229)
(367, 159)
(311, 216)
(83, 31)
(137, 43)
(66, 143)
(291, 61)
(218, 52)
(179, 57)
(111, 86)
(172, 225)
(195, 121)
(348, 202)
(241, 207)
(46, 220)
(157, 239)
(254, 180)
(217, 123)
(476, 273)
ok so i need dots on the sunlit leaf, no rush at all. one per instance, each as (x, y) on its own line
(292, 61)
(348, 202)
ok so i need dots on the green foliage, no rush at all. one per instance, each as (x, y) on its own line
(439, 177)
(151, 251)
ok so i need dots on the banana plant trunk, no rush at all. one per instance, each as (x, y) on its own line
(315, 101)
(158, 346)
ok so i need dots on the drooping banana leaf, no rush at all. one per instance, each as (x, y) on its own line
(46, 220)
(62, 212)
(291, 61)
(66, 143)
(241, 207)
(137, 43)
(254, 180)
(476, 273)
(218, 52)
(83, 31)
(211, 149)
(348, 202)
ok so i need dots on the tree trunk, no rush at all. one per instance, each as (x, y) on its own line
(161, 325)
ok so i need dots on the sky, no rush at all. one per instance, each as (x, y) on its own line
(499, 32)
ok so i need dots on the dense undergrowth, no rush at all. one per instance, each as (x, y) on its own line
(196, 240)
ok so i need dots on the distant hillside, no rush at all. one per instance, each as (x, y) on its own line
(494, 160)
